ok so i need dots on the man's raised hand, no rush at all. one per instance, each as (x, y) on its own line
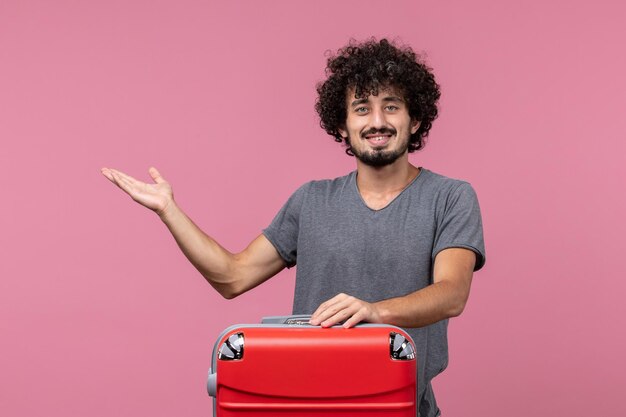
(157, 196)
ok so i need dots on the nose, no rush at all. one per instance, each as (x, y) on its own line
(378, 118)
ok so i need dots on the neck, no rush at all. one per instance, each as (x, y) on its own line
(389, 179)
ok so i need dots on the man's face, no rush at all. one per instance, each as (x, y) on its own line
(378, 128)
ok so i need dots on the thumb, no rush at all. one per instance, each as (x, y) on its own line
(156, 176)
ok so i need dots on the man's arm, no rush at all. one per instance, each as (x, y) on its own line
(229, 273)
(445, 298)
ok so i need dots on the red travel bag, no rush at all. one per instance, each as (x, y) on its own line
(286, 367)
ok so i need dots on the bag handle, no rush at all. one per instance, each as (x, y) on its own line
(294, 320)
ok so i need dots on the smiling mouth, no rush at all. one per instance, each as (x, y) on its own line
(378, 140)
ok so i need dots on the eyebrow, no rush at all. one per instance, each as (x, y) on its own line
(386, 99)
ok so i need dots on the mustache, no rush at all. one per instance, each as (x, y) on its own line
(380, 131)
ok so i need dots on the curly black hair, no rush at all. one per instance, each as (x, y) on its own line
(368, 67)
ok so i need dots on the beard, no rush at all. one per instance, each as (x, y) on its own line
(379, 157)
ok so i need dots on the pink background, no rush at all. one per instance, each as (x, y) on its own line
(100, 315)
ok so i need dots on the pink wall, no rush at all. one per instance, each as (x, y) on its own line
(100, 315)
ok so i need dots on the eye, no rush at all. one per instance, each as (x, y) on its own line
(361, 110)
(392, 108)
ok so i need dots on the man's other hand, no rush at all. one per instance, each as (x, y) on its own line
(347, 309)
(157, 196)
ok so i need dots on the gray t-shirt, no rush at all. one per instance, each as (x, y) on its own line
(341, 245)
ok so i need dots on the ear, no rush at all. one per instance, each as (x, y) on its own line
(415, 124)
(343, 132)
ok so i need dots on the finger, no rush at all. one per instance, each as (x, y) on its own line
(339, 317)
(120, 174)
(341, 309)
(111, 176)
(354, 320)
(122, 182)
(107, 173)
(326, 304)
(323, 312)
(156, 176)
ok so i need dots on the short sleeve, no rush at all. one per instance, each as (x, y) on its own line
(284, 229)
(459, 224)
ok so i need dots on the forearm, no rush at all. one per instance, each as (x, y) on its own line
(215, 263)
(446, 297)
(429, 305)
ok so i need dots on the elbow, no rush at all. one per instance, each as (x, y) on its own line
(456, 299)
(456, 311)
(457, 308)
(229, 294)
(228, 290)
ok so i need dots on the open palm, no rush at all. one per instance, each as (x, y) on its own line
(156, 196)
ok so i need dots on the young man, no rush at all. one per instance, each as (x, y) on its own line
(389, 243)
